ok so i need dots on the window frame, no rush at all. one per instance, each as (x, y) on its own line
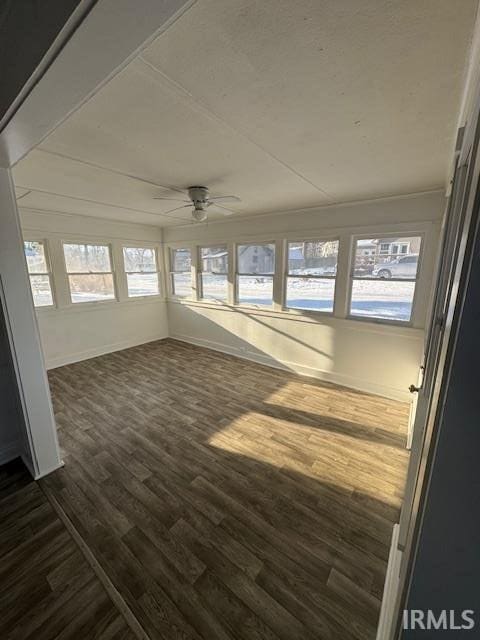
(156, 272)
(286, 275)
(200, 272)
(91, 243)
(172, 272)
(273, 275)
(381, 234)
(49, 273)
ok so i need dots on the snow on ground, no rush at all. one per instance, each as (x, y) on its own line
(370, 298)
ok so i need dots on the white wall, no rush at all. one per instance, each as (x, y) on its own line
(375, 357)
(72, 332)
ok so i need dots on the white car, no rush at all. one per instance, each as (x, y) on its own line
(402, 267)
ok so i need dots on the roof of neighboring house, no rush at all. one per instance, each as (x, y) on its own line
(220, 254)
(366, 243)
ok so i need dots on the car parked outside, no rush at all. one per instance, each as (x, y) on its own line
(402, 267)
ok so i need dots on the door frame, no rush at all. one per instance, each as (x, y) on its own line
(463, 207)
(98, 41)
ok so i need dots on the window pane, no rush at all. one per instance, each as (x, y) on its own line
(382, 299)
(35, 256)
(387, 258)
(139, 259)
(181, 259)
(142, 284)
(310, 293)
(214, 259)
(87, 257)
(182, 284)
(313, 258)
(91, 287)
(41, 290)
(253, 290)
(214, 286)
(256, 258)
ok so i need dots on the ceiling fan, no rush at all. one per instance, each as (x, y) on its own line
(198, 196)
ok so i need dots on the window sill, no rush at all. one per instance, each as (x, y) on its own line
(381, 321)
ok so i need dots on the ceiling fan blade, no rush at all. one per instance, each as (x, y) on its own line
(225, 199)
(223, 210)
(184, 206)
(171, 199)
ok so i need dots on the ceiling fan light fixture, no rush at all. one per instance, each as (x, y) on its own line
(199, 215)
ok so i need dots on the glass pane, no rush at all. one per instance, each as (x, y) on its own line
(214, 286)
(310, 293)
(214, 259)
(313, 258)
(182, 284)
(253, 290)
(142, 284)
(89, 288)
(87, 257)
(139, 259)
(181, 260)
(382, 299)
(256, 258)
(35, 255)
(387, 258)
(41, 290)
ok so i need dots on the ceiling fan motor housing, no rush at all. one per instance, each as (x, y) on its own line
(199, 197)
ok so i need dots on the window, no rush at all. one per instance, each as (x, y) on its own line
(141, 269)
(383, 284)
(213, 271)
(255, 269)
(181, 272)
(39, 273)
(90, 275)
(311, 273)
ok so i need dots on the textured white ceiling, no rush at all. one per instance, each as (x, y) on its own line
(285, 104)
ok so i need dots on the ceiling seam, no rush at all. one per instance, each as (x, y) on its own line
(109, 169)
(104, 204)
(58, 212)
(181, 91)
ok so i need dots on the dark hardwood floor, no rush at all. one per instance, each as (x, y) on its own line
(48, 588)
(225, 499)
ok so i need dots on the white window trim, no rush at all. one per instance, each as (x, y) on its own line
(427, 230)
(273, 276)
(200, 272)
(49, 273)
(383, 234)
(94, 243)
(157, 272)
(286, 275)
(171, 272)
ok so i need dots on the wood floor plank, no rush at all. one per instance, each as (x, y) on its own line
(225, 499)
(48, 588)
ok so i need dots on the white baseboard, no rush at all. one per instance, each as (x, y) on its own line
(320, 374)
(9, 451)
(60, 361)
(390, 591)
